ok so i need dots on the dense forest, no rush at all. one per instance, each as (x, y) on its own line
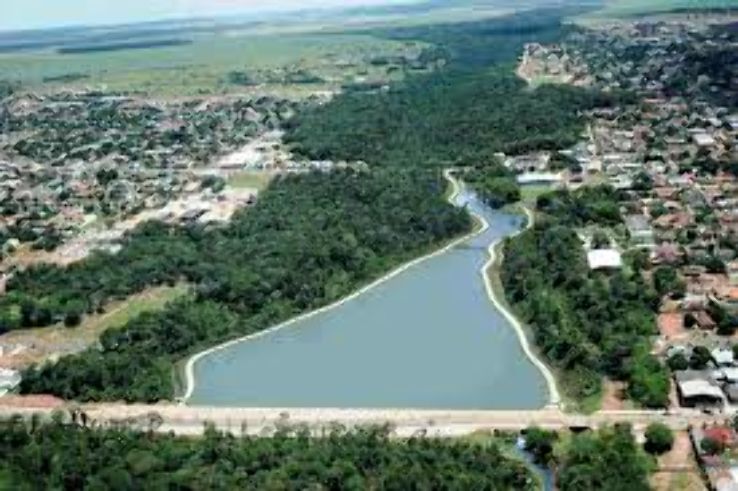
(310, 240)
(56, 455)
(460, 115)
(587, 323)
(65, 457)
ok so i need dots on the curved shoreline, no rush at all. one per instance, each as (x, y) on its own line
(553, 391)
(456, 190)
(192, 361)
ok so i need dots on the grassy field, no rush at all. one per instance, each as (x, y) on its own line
(48, 342)
(203, 66)
(626, 8)
(250, 180)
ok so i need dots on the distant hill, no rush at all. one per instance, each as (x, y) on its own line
(626, 8)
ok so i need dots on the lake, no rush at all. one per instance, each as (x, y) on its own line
(427, 338)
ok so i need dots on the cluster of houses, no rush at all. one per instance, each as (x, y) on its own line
(67, 158)
(716, 448)
(674, 152)
(552, 64)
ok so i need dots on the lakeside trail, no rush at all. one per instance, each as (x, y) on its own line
(553, 391)
(554, 398)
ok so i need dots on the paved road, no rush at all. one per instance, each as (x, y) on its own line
(187, 420)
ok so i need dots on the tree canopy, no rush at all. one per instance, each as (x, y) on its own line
(70, 457)
(588, 323)
(310, 240)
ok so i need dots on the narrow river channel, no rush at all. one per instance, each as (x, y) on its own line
(427, 338)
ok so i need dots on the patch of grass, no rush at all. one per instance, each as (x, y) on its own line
(45, 343)
(530, 194)
(258, 180)
(588, 405)
(151, 300)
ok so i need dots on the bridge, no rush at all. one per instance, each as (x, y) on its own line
(187, 420)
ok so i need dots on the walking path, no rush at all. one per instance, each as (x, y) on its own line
(554, 397)
(184, 420)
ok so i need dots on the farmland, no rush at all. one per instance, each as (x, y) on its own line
(203, 67)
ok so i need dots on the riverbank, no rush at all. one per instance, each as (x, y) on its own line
(187, 373)
(497, 297)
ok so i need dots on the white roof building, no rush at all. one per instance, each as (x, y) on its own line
(539, 178)
(9, 380)
(604, 259)
(723, 356)
(729, 374)
(700, 388)
(703, 139)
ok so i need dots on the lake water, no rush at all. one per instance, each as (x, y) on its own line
(427, 338)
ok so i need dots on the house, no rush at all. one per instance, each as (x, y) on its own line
(704, 321)
(675, 221)
(535, 178)
(731, 391)
(9, 380)
(667, 253)
(703, 139)
(604, 259)
(639, 229)
(698, 388)
(723, 357)
(726, 296)
(727, 374)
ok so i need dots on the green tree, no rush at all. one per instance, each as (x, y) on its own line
(607, 460)
(667, 282)
(659, 438)
(678, 362)
(711, 446)
(540, 444)
(700, 358)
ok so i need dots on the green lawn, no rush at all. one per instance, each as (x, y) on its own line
(250, 180)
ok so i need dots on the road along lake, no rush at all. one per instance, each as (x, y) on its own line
(428, 337)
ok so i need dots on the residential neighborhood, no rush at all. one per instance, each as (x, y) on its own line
(672, 151)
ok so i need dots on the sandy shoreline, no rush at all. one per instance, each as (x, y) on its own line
(554, 398)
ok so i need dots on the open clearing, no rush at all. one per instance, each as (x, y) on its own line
(29, 346)
(203, 66)
(257, 180)
(677, 470)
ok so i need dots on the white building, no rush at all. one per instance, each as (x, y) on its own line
(531, 178)
(703, 139)
(9, 380)
(604, 259)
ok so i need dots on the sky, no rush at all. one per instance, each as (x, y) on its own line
(32, 14)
